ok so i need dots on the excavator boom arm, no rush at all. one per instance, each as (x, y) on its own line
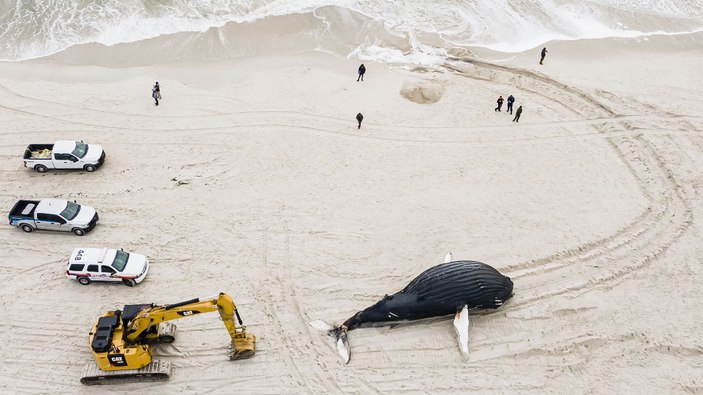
(222, 303)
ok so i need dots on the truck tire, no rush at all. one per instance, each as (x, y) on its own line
(40, 168)
(89, 168)
(78, 232)
(129, 282)
(84, 280)
(27, 228)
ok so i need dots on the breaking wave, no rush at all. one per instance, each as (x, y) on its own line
(36, 28)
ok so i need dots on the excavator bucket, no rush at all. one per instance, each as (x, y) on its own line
(243, 347)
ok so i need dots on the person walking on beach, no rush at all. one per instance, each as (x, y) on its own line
(517, 114)
(511, 100)
(362, 70)
(155, 95)
(359, 118)
(157, 88)
(500, 103)
(544, 53)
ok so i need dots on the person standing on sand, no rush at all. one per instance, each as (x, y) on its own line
(511, 100)
(359, 118)
(362, 70)
(155, 95)
(544, 53)
(517, 114)
(157, 88)
(500, 103)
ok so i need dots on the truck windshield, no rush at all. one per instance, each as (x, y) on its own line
(80, 150)
(71, 210)
(120, 261)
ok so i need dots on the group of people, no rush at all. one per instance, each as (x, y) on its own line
(511, 100)
(362, 71)
(156, 94)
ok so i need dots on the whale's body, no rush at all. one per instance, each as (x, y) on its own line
(449, 288)
(440, 290)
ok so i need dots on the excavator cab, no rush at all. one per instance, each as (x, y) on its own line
(130, 311)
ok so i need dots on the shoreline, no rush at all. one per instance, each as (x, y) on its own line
(341, 28)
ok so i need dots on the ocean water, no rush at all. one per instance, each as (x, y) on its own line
(36, 28)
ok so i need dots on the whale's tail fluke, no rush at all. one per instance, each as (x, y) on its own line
(339, 333)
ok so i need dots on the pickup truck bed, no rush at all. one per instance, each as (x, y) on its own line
(24, 208)
(38, 151)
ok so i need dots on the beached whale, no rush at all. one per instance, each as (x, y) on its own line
(454, 287)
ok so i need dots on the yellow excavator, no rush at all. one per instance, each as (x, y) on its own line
(122, 340)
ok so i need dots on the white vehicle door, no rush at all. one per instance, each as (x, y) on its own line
(107, 273)
(93, 273)
(64, 161)
(51, 222)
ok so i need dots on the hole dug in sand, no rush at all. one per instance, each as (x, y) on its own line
(422, 92)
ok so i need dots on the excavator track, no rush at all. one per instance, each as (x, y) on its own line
(155, 371)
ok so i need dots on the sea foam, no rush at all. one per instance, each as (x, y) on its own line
(30, 29)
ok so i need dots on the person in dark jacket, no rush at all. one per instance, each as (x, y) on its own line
(362, 70)
(359, 118)
(544, 53)
(155, 95)
(157, 88)
(500, 103)
(517, 114)
(511, 100)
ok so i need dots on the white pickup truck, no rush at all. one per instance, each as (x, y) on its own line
(64, 154)
(53, 214)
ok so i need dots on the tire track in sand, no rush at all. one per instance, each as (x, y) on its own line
(648, 235)
(604, 262)
(283, 308)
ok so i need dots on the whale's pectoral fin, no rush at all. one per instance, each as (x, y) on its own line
(461, 326)
(448, 257)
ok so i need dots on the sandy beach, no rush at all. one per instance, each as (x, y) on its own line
(252, 178)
